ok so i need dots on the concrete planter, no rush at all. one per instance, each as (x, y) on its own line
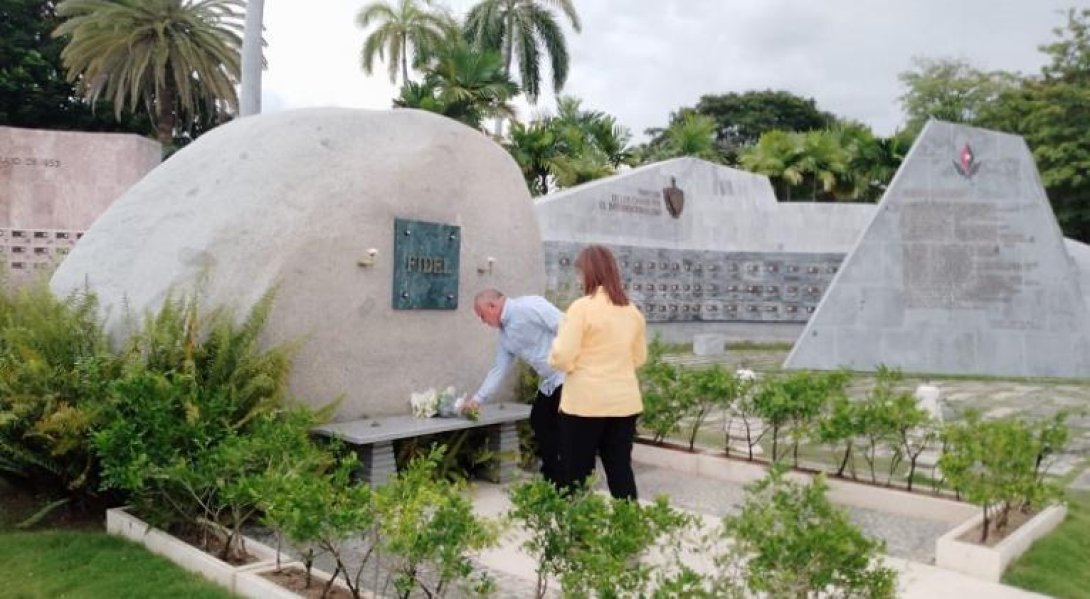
(253, 585)
(988, 563)
(892, 501)
(121, 523)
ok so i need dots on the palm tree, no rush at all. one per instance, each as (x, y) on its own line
(777, 154)
(401, 27)
(462, 83)
(534, 148)
(524, 28)
(171, 56)
(692, 135)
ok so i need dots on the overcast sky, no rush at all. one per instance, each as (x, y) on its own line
(641, 59)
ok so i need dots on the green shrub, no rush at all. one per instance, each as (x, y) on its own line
(593, 543)
(193, 392)
(996, 464)
(664, 394)
(55, 369)
(795, 543)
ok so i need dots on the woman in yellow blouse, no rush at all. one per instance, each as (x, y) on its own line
(600, 344)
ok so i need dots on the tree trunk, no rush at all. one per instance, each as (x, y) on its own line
(508, 47)
(404, 59)
(164, 116)
(844, 462)
(252, 59)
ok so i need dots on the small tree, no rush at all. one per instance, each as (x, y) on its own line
(838, 427)
(743, 408)
(592, 543)
(426, 523)
(915, 432)
(707, 390)
(663, 391)
(878, 419)
(993, 463)
(797, 544)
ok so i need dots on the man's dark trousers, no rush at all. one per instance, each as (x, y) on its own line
(545, 422)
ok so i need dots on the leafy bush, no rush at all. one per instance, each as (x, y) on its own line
(711, 388)
(55, 369)
(427, 523)
(996, 464)
(664, 394)
(593, 543)
(794, 402)
(795, 543)
(195, 398)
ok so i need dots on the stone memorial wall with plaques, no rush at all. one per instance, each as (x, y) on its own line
(706, 286)
(702, 247)
(963, 270)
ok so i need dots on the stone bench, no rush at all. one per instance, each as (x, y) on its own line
(373, 438)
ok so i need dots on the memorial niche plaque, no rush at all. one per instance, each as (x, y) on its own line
(425, 265)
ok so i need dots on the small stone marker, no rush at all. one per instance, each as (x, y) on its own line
(709, 345)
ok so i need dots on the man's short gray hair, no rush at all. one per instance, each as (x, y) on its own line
(487, 296)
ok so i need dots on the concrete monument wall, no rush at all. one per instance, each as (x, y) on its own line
(731, 260)
(54, 184)
(962, 270)
(297, 199)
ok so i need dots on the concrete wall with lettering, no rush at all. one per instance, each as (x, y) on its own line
(732, 260)
(962, 270)
(296, 199)
(64, 180)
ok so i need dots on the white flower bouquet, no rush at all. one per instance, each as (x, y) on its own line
(444, 404)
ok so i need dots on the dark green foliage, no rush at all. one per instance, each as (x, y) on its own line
(797, 544)
(741, 118)
(55, 370)
(33, 89)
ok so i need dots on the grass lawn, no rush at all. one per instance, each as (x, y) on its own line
(1058, 564)
(58, 563)
(71, 556)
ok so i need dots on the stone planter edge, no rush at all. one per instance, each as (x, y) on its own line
(989, 563)
(121, 523)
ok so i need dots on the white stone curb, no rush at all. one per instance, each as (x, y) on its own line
(988, 563)
(121, 523)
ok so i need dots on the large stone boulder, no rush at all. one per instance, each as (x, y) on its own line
(296, 199)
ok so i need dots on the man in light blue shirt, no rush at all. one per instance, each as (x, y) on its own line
(527, 327)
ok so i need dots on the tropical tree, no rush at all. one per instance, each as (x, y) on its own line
(33, 89)
(573, 147)
(404, 27)
(741, 118)
(777, 154)
(692, 134)
(462, 83)
(175, 57)
(951, 90)
(526, 29)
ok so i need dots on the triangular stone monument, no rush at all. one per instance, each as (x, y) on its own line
(962, 270)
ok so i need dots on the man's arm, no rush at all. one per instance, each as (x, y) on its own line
(500, 366)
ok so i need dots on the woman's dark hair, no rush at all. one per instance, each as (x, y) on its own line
(600, 270)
